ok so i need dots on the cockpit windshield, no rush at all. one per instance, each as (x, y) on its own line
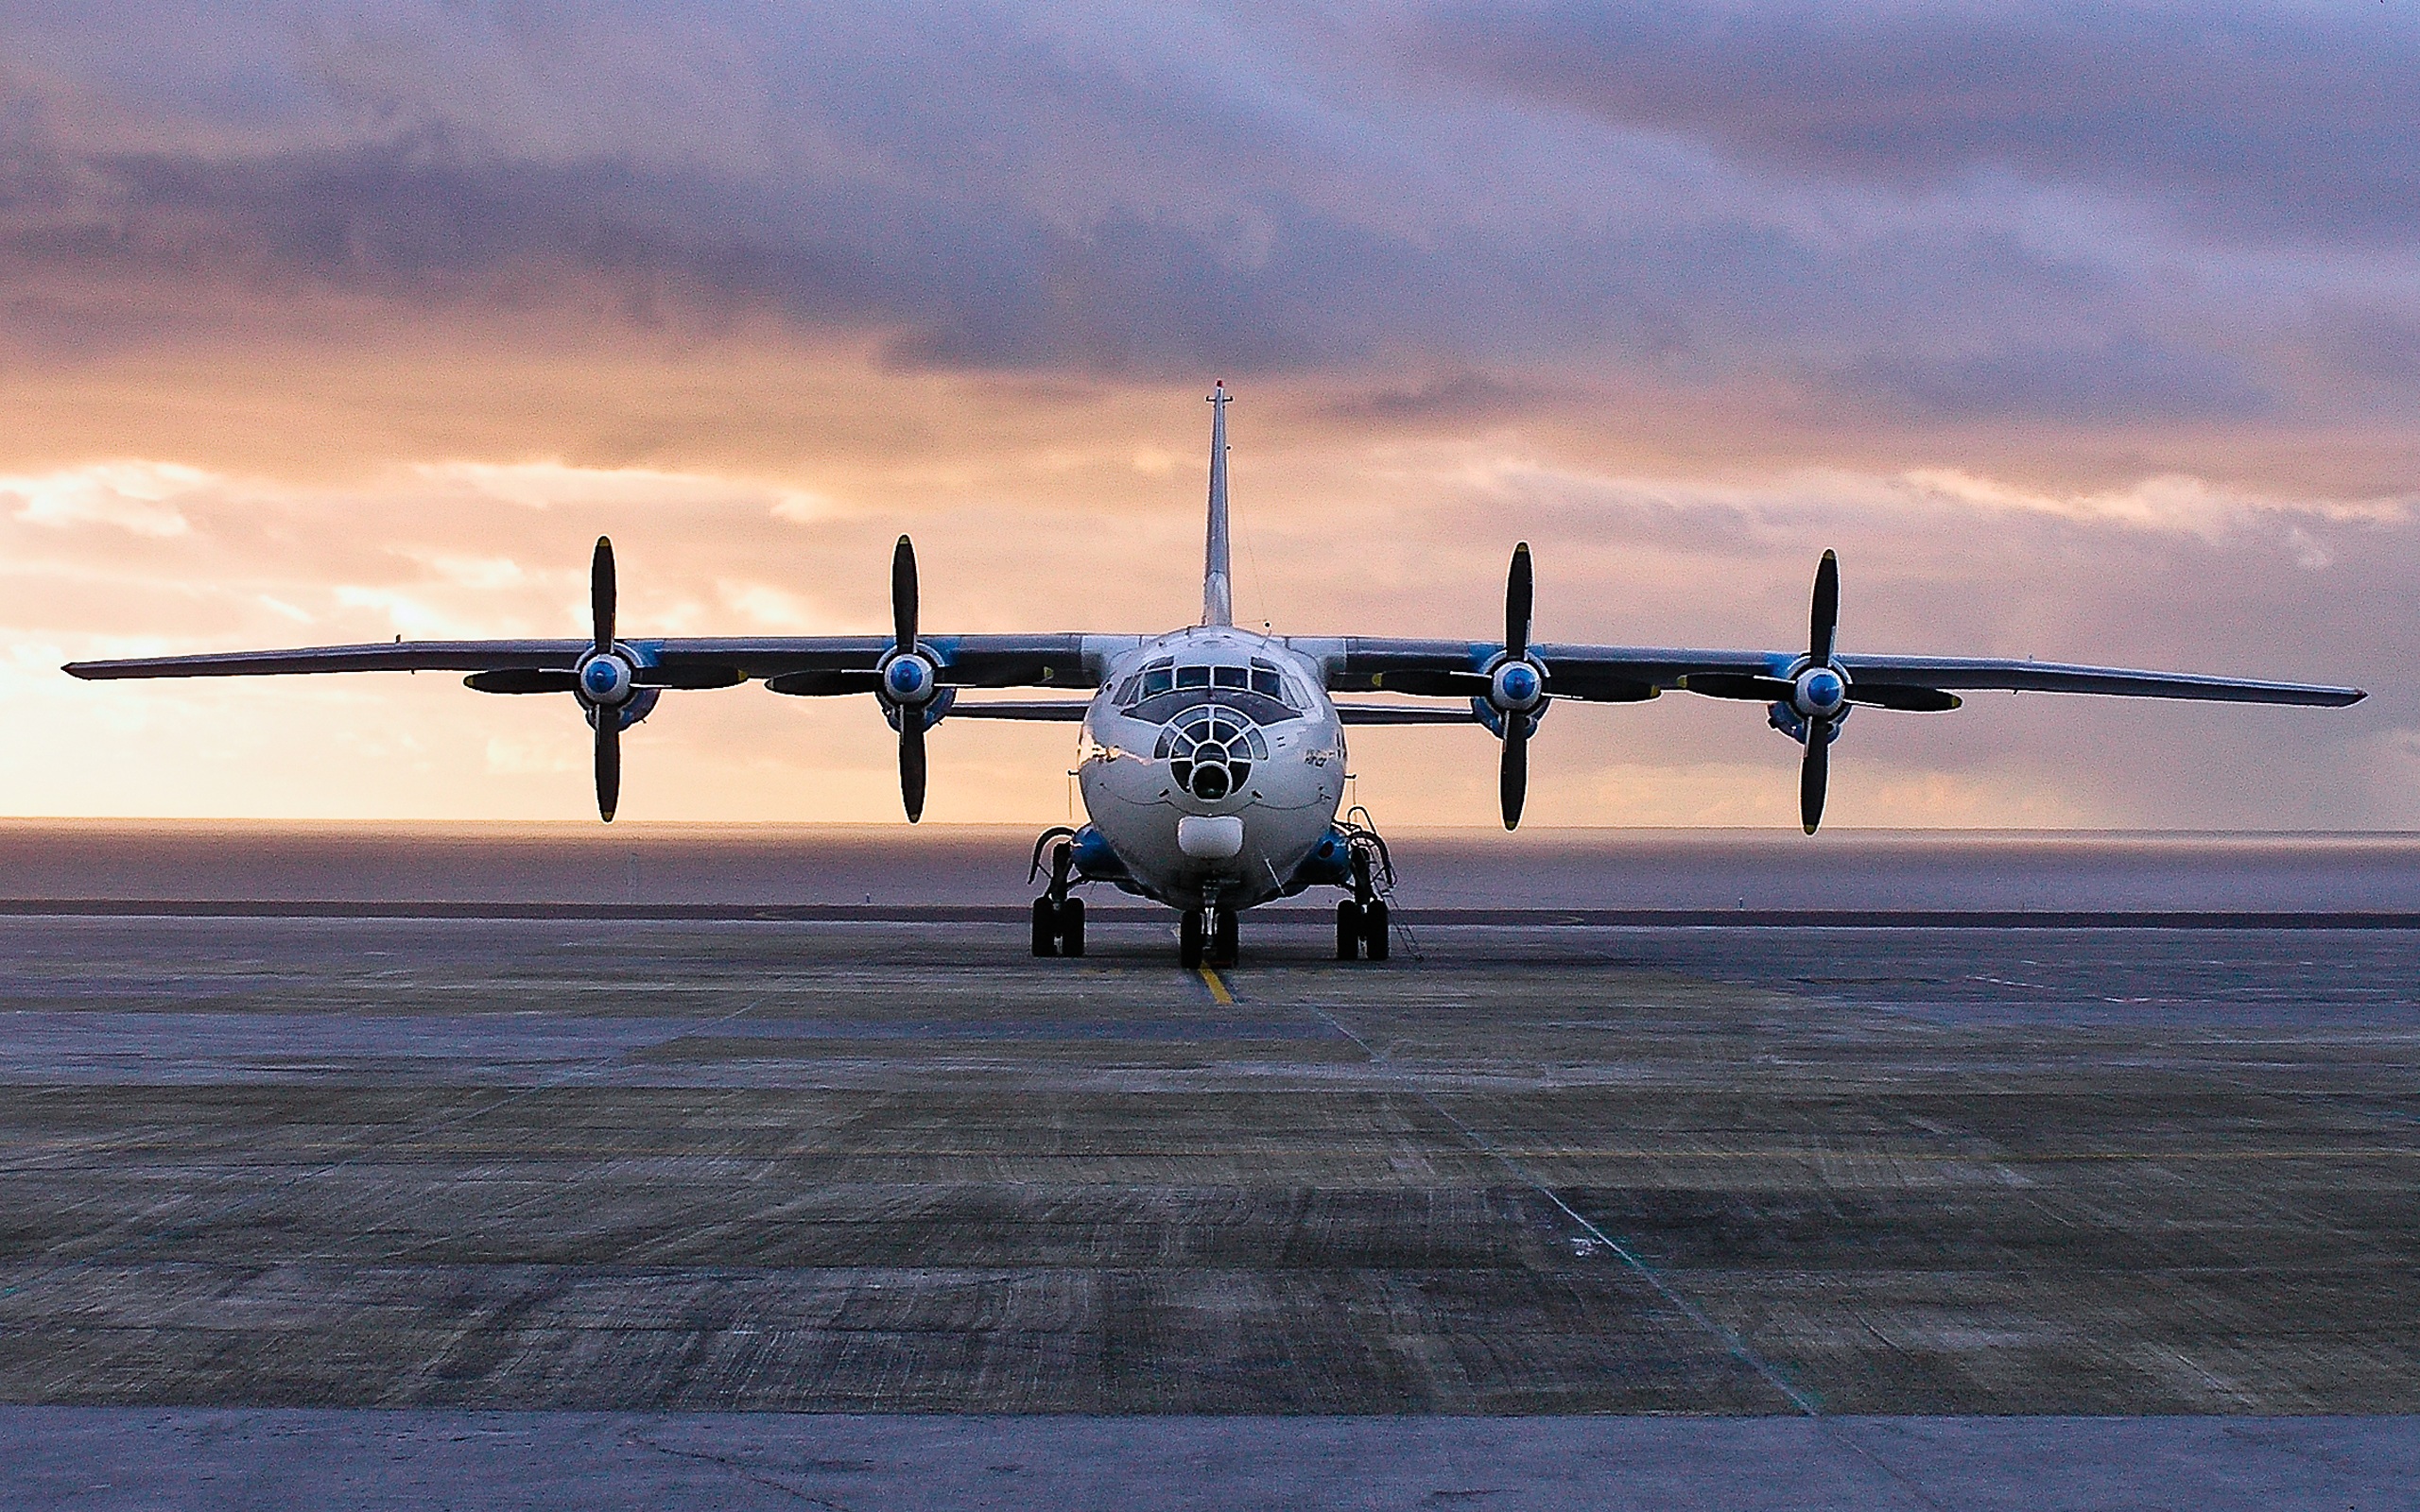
(1254, 689)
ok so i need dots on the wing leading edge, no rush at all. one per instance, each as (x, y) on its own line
(963, 661)
(1617, 674)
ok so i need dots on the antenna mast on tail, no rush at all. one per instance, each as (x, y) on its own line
(1217, 599)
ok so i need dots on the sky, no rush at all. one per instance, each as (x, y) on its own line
(2083, 332)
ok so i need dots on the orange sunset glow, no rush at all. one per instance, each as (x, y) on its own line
(331, 324)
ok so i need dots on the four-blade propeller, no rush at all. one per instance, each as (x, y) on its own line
(910, 681)
(907, 679)
(615, 685)
(1516, 687)
(1810, 703)
(1512, 689)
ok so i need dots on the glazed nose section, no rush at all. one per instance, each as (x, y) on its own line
(1210, 837)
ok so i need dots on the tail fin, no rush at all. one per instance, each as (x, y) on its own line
(1218, 597)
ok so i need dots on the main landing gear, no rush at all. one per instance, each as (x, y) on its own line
(1361, 919)
(1057, 919)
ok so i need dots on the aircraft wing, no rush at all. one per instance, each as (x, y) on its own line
(1615, 674)
(807, 664)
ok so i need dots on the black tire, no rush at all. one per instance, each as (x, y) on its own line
(1374, 930)
(1045, 928)
(1348, 931)
(1225, 937)
(1188, 939)
(1071, 927)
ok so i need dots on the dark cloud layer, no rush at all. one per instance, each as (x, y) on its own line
(1817, 199)
(2288, 120)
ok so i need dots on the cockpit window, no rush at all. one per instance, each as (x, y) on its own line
(1260, 693)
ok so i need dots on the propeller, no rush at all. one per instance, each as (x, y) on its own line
(1513, 776)
(1812, 701)
(613, 689)
(908, 678)
(1823, 691)
(605, 681)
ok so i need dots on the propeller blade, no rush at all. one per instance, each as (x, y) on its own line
(1593, 687)
(1517, 594)
(692, 678)
(1513, 778)
(609, 762)
(1431, 682)
(1911, 701)
(822, 684)
(524, 679)
(1738, 685)
(1824, 616)
(601, 594)
(1812, 772)
(902, 595)
(911, 761)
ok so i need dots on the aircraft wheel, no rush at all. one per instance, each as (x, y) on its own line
(1348, 931)
(1071, 927)
(1224, 938)
(1374, 930)
(1188, 939)
(1045, 927)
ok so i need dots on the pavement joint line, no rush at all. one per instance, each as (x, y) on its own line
(1802, 1400)
(256, 1197)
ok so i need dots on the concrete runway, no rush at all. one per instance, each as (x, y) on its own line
(511, 1205)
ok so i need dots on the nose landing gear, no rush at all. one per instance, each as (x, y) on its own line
(1208, 935)
(1057, 919)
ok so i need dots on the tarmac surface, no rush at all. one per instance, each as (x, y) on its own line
(566, 1210)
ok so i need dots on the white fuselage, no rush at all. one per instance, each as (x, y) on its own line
(1213, 762)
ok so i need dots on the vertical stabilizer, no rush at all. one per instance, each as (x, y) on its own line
(1218, 597)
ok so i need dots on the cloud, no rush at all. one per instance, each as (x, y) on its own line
(1874, 208)
(2284, 120)
(138, 497)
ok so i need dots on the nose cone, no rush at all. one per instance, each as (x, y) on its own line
(907, 679)
(605, 680)
(1821, 691)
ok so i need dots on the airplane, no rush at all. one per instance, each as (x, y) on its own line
(1212, 758)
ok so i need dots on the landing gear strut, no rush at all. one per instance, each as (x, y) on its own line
(1057, 920)
(1207, 937)
(1361, 919)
